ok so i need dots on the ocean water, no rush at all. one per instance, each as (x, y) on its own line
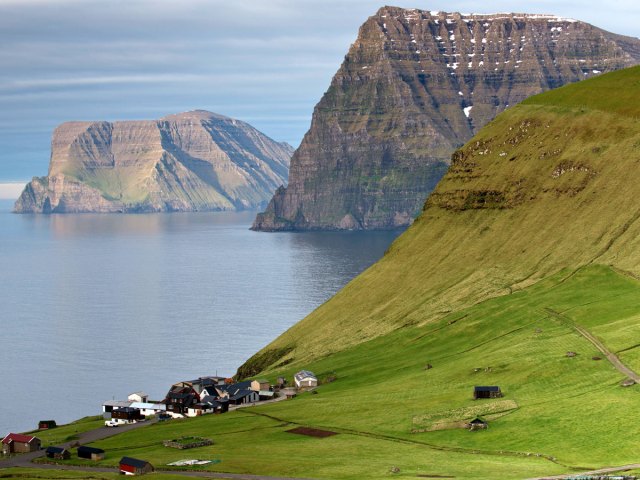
(93, 307)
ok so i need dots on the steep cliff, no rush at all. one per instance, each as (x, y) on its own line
(415, 86)
(192, 161)
(547, 188)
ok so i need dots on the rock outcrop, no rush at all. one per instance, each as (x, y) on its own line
(415, 86)
(194, 161)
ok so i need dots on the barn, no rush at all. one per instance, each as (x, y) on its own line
(91, 453)
(17, 443)
(477, 424)
(487, 392)
(133, 466)
(46, 424)
(57, 453)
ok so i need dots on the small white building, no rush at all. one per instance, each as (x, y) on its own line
(199, 409)
(147, 408)
(305, 379)
(138, 397)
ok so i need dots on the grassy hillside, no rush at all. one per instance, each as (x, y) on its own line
(527, 250)
(548, 185)
(556, 415)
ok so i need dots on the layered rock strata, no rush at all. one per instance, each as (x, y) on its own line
(194, 161)
(413, 87)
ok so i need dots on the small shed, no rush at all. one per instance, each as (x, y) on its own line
(46, 424)
(133, 466)
(17, 443)
(487, 392)
(90, 453)
(260, 384)
(289, 392)
(305, 378)
(57, 453)
(477, 424)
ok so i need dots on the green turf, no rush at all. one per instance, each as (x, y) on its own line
(559, 414)
(548, 186)
(68, 432)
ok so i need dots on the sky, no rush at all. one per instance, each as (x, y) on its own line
(266, 62)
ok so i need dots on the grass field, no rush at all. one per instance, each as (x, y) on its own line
(68, 432)
(558, 413)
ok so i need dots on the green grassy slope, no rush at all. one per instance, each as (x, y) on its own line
(531, 236)
(559, 414)
(548, 185)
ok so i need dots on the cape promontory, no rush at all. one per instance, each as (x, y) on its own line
(414, 86)
(193, 161)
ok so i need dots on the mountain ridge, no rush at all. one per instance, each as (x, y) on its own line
(414, 86)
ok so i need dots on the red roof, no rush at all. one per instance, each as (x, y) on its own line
(16, 437)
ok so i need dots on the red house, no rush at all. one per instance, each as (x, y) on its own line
(133, 466)
(17, 443)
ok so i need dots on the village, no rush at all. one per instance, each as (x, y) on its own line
(184, 399)
(202, 396)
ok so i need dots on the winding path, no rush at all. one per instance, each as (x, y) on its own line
(612, 357)
(600, 471)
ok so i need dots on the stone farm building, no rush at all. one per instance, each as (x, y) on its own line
(487, 392)
(57, 453)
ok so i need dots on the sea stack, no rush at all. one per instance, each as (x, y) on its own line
(193, 161)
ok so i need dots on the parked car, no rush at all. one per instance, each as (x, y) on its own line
(110, 423)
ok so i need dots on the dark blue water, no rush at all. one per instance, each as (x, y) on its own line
(97, 306)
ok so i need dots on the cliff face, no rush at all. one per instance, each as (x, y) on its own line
(415, 86)
(547, 188)
(192, 161)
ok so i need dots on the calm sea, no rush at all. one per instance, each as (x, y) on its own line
(94, 307)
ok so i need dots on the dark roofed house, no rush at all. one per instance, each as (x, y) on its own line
(180, 398)
(219, 405)
(46, 424)
(126, 413)
(238, 393)
(90, 453)
(17, 443)
(57, 453)
(487, 392)
(133, 466)
(477, 424)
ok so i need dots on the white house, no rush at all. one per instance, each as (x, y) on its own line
(199, 409)
(147, 408)
(305, 378)
(138, 397)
